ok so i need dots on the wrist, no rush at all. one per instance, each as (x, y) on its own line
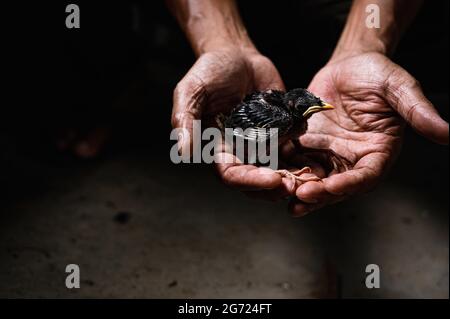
(351, 47)
(211, 25)
(223, 43)
(359, 38)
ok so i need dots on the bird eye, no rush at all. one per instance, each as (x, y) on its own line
(299, 105)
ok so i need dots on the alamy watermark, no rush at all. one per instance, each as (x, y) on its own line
(373, 20)
(73, 277)
(73, 17)
(220, 144)
(373, 277)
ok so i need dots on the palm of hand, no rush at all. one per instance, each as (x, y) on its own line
(220, 79)
(369, 92)
(215, 84)
(363, 128)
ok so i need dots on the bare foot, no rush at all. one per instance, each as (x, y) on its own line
(84, 145)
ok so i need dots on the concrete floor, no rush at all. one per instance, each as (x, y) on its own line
(140, 227)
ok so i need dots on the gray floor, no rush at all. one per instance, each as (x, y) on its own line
(189, 236)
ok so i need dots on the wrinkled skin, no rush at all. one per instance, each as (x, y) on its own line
(373, 98)
(216, 83)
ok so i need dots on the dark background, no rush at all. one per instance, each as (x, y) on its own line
(119, 70)
(64, 77)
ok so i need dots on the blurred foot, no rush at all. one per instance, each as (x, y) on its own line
(84, 145)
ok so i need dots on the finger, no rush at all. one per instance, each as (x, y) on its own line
(299, 209)
(283, 191)
(292, 157)
(363, 177)
(313, 193)
(405, 95)
(302, 161)
(188, 99)
(245, 177)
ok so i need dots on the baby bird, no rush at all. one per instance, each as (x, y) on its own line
(289, 112)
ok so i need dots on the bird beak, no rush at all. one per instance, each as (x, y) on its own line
(317, 108)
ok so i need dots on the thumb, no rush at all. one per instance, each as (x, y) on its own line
(188, 99)
(405, 95)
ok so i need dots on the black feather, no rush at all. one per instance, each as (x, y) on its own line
(259, 112)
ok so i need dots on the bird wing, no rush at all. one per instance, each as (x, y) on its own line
(254, 119)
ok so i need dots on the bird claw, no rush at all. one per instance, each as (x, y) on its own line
(339, 162)
(296, 175)
(332, 160)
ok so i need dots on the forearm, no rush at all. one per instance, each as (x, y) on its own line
(210, 24)
(395, 17)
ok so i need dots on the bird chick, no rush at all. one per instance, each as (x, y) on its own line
(288, 112)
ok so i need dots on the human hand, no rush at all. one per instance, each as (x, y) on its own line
(215, 84)
(373, 98)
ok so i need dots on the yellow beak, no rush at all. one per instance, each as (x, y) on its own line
(317, 108)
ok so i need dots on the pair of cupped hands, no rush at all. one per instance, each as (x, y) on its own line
(373, 99)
